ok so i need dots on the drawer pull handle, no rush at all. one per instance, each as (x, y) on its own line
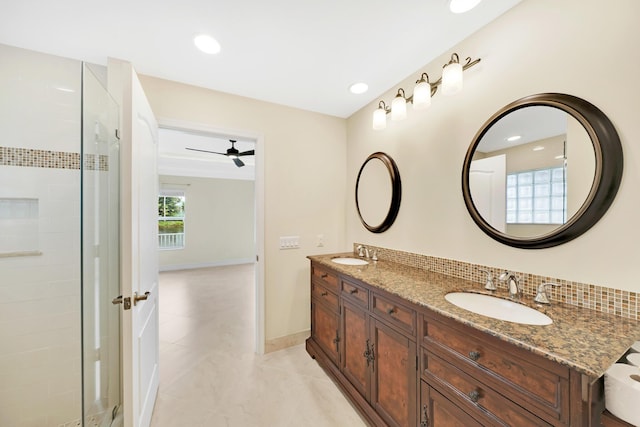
(324, 276)
(474, 396)
(474, 355)
(391, 310)
(324, 294)
(353, 291)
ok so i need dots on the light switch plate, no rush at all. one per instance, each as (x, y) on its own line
(290, 242)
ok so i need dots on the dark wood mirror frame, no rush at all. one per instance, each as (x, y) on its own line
(396, 192)
(608, 173)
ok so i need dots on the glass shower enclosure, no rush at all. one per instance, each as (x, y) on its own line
(101, 389)
(59, 243)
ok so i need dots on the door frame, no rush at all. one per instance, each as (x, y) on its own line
(187, 126)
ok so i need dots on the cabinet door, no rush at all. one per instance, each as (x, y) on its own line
(437, 411)
(325, 329)
(393, 385)
(354, 363)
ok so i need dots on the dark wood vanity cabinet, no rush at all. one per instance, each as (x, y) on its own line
(405, 365)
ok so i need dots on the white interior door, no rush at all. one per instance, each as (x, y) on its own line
(140, 343)
(488, 184)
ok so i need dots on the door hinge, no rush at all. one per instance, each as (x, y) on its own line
(127, 303)
(416, 362)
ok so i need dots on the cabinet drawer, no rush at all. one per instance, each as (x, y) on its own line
(394, 313)
(531, 381)
(475, 395)
(324, 277)
(355, 293)
(321, 293)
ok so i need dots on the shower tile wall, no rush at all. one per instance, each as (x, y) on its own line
(40, 382)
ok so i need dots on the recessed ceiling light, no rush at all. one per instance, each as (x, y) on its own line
(538, 148)
(207, 44)
(462, 6)
(514, 138)
(359, 88)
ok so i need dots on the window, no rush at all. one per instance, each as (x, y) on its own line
(537, 197)
(171, 219)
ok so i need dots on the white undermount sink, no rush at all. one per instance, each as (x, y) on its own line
(498, 308)
(349, 261)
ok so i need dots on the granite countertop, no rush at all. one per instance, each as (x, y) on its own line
(586, 340)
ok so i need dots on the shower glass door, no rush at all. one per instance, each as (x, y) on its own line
(101, 387)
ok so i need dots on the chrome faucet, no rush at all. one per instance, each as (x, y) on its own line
(490, 286)
(515, 292)
(541, 296)
(363, 251)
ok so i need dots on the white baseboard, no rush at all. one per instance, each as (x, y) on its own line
(286, 341)
(222, 263)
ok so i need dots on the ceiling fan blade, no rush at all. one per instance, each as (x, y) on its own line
(247, 153)
(205, 151)
(239, 163)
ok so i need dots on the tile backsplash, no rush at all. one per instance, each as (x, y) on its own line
(615, 301)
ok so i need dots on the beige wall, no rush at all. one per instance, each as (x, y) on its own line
(574, 46)
(304, 175)
(219, 223)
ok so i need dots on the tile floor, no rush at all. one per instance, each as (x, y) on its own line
(209, 373)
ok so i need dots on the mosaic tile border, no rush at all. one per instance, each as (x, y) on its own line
(27, 157)
(607, 300)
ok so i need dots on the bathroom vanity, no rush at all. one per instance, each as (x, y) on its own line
(406, 357)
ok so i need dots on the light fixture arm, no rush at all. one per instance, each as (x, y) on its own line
(434, 85)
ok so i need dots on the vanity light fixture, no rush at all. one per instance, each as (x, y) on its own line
(451, 82)
(399, 106)
(452, 76)
(380, 116)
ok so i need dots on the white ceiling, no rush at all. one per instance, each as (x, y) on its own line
(303, 54)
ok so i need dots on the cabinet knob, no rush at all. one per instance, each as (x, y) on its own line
(324, 294)
(474, 396)
(324, 276)
(353, 291)
(474, 355)
(391, 310)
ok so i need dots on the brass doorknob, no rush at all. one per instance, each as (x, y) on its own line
(137, 297)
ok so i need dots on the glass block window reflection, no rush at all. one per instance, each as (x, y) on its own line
(537, 197)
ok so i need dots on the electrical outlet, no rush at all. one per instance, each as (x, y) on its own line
(290, 242)
(320, 239)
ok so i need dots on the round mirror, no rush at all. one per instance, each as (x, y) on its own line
(378, 192)
(542, 171)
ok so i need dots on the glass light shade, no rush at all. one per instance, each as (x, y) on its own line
(379, 119)
(399, 108)
(452, 79)
(422, 96)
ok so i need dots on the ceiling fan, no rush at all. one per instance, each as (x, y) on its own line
(232, 153)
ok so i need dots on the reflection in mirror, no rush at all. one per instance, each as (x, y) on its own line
(374, 192)
(532, 171)
(542, 171)
(378, 192)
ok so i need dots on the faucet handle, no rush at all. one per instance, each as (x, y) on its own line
(541, 296)
(360, 250)
(374, 257)
(490, 285)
